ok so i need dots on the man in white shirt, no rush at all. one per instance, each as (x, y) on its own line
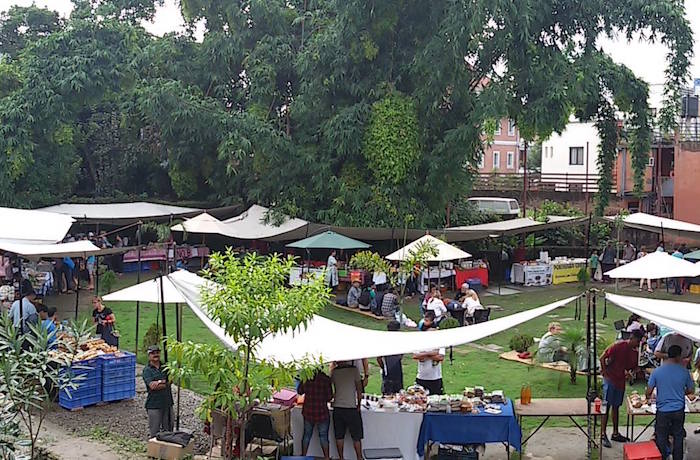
(430, 370)
(437, 305)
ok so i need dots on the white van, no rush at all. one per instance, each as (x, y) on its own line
(505, 207)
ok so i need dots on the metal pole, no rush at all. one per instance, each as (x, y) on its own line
(77, 295)
(591, 360)
(21, 307)
(162, 315)
(178, 334)
(500, 266)
(138, 304)
(525, 180)
(97, 275)
(587, 192)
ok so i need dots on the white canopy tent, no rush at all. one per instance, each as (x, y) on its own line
(513, 226)
(24, 226)
(254, 224)
(37, 251)
(203, 223)
(445, 251)
(682, 317)
(663, 225)
(329, 340)
(120, 213)
(656, 265)
(148, 291)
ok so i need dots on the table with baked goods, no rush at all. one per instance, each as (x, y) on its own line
(555, 407)
(411, 421)
(638, 406)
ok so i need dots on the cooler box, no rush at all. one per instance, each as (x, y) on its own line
(475, 284)
(285, 397)
(641, 451)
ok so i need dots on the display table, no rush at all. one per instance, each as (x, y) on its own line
(566, 271)
(644, 411)
(464, 274)
(381, 429)
(531, 274)
(296, 274)
(482, 428)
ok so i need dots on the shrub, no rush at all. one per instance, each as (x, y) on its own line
(521, 342)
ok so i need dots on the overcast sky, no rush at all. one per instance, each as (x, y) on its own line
(646, 60)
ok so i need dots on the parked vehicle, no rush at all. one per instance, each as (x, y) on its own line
(508, 208)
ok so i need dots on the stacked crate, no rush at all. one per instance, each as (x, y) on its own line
(87, 376)
(118, 376)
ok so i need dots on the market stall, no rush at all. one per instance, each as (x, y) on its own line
(464, 274)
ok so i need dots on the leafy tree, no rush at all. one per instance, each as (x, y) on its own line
(250, 301)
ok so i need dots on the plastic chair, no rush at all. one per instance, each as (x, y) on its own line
(481, 316)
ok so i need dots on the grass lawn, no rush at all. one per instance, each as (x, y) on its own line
(470, 366)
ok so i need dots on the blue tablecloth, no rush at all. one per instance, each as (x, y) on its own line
(481, 428)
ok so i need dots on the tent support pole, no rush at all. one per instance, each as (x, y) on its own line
(21, 307)
(589, 382)
(162, 315)
(77, 296)
(178, 334)
(97, 275)
(138, 280)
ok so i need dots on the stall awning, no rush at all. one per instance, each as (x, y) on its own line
(445, 252)
(511, 227)
(682, 317)
(33, 227)
(328, 240)
(121, 213)
(148, 291)
(656, 265)
(670, 227)
(256, 224)
(330, 340)
(203, 223)
(37, 251)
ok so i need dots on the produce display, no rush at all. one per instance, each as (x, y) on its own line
(417, 399)
(88, 350)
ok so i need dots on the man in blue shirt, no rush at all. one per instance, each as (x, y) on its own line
(46, 314)
(672, 382)
(29, 314)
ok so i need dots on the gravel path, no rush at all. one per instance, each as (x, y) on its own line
(128, 418)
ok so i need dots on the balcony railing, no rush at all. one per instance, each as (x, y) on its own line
(539, 182)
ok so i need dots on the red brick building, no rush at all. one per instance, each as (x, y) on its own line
(502, 155)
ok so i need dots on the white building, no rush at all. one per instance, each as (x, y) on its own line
(569, 159)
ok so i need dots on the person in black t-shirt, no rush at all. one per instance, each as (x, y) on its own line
(392, 372)
(104, 318)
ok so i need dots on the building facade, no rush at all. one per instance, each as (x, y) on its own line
(502, 155)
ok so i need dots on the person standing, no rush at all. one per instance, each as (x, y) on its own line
(392, 371)
(317, 394)
(672, 382)
(332, 271)
(628, 252)
(677, 282)
(159, 401)
(430, 370)
(594, 264)
(29, 313)
(620, 358)
(640, 254)
(347, 391)
(104, 318)
(607, 261)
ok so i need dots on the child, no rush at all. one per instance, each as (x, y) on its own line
(594, 262)
(428, 321)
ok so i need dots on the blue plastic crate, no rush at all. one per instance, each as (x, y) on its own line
(76, 403)
(118, 392)
(122, 359)
(87, 367)
(118, 376)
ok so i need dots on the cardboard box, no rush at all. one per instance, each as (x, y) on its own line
(167, 450)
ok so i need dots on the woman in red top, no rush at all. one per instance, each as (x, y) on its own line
(617, 360)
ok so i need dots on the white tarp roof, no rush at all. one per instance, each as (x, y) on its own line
(252, 225)
(333, 341)
(148, 291)
(73, 249)
(682, 317)
(33, 227)
(656, 265)
(202, 223)
(654, 224)
(120, 212)
(514, 226)
(446, 252)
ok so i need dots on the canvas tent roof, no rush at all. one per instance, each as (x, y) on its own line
(655, 224)
(253, 225)
(512, 227)
(329, 340)
(656, 265)
(25, 226)
(445, 251)
(148, 291)
(120, 213)
(37, 251)
(329, 240)
(202, 223)
(682, 317)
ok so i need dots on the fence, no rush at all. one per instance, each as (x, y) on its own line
(539, 182)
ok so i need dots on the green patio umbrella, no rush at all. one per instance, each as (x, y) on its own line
(328, 240)
(695, 255)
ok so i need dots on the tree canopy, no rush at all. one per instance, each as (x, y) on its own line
(351, 112)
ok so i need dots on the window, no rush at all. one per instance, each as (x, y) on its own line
(651, 162)
(575, 155)
(511, 127)
(481, 160)
(498, 128)
(496, 160)
(510, 160)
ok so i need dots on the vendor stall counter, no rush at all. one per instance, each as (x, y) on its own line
(531, 274)
(566, 270)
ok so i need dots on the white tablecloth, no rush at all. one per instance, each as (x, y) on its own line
(381, 429)
(531, 275)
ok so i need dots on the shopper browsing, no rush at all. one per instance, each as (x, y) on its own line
(672, 383)
(317, 392)
(430, 370)
(347, 391)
